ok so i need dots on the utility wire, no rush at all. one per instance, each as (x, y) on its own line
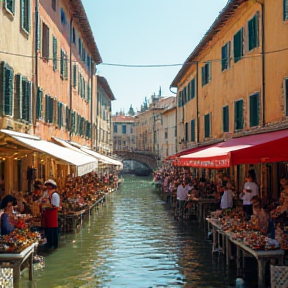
(148, 65)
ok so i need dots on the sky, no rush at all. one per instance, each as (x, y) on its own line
(146, 33)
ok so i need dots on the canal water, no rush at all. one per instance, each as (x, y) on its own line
(133, 241)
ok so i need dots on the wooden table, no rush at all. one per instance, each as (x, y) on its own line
(260, 255)
(14, 261)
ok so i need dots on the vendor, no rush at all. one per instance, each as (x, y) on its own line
(38, 190)
(7, 221)
(51, 215)
(227, 197)
(250, 189)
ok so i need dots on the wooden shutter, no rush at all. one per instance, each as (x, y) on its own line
(239, 115)
(39, 100)
(74, 76)
(238, 45)
(25, 15)
(226, 119)
(65, 68)
(55, 54)
(207, 125)
(203, 75)
(10, 6)
(193, 130)
(254, 110)
(47, 108)
(8, 90)
(39, 40)
(18, 97)
(186, 131)
(26, 100)
(224, 57)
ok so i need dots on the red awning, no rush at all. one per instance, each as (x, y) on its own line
(267, 147)
(185, 152)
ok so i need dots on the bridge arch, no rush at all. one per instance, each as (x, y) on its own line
(148, 160)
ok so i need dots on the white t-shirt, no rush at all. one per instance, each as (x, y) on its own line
(55, 199)
(254, 192)
(227, 200)
(182, 192)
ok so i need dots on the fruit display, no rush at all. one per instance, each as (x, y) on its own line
(18, 240)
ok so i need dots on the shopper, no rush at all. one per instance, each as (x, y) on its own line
(7, 221)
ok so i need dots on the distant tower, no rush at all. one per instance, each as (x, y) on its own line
(160, 92)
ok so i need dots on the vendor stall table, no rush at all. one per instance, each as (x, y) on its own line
(15, 261)
(262, 256)
(70, 221)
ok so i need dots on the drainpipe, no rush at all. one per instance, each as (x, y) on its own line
(176, 130)
(263, 63)
(197, 102)
(35, 86)
(71, 79)
(91, 100)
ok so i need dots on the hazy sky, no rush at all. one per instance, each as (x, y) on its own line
(146, 32)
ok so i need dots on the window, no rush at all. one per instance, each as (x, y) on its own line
(207, 125)
(53, 4)
(23, 99)
(253, 32)
(45, 42)
(238, 45)
(131, 130)
(39, 103)
(239, 123)
(226, 119)
(225, 56)
(63, 17)
(115, 130)
(206, 73)
(6, 89)
(60, 114)
(74, 76)
(193, 130)
(180, 101)
(192, 89)
(49, 109)
(123, 129)
(254, 110)
(166, 133)
(64, 65)
(55, 55)
(73, 36)
(286, 96)
(25, 15)
(285, 10)
(186, 131)
(10, 6)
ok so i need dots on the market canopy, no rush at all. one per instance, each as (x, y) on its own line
(102, 158)
(84, 163)
(267, 147)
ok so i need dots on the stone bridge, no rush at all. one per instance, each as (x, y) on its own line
(148, 159)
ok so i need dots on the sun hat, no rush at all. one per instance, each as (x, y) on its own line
(50, 182)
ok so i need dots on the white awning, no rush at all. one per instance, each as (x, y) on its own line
(84, 163)
(102, 158)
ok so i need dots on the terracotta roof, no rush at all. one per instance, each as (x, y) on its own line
(80, 15)
(216, 27)
(104, 84)
(122, 118)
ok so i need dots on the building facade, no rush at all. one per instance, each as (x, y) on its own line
(234, 83)
(104, 139)
(124, 138)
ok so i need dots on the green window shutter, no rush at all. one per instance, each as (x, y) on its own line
(7, 90)
(253, 32)
(74, 76)
(52, 111)
(39, 41)
(193, 88)
(47, 108)
(73, 128)
(254, 110)
(285, 10)
(207, 125)
(18, 97)
(62, 63)
(67, 114)
(238, 45)
(224, 60)
(25, 15)
(186, 131)
(65, 71)
(26, 100)
(203, 75)
(226, 119)
(193, 130)
(39, 101)
(79, 84)
(10, 6)
(239, 115)
(55, 56)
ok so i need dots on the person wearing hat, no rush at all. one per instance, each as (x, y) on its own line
(7, 223)
(51, 215)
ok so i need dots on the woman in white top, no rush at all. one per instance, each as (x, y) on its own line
(227, 197)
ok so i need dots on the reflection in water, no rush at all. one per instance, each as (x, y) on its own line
(133, 241)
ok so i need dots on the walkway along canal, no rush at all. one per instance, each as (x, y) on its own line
(133, 241)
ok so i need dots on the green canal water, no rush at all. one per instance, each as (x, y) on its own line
(133, 241)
